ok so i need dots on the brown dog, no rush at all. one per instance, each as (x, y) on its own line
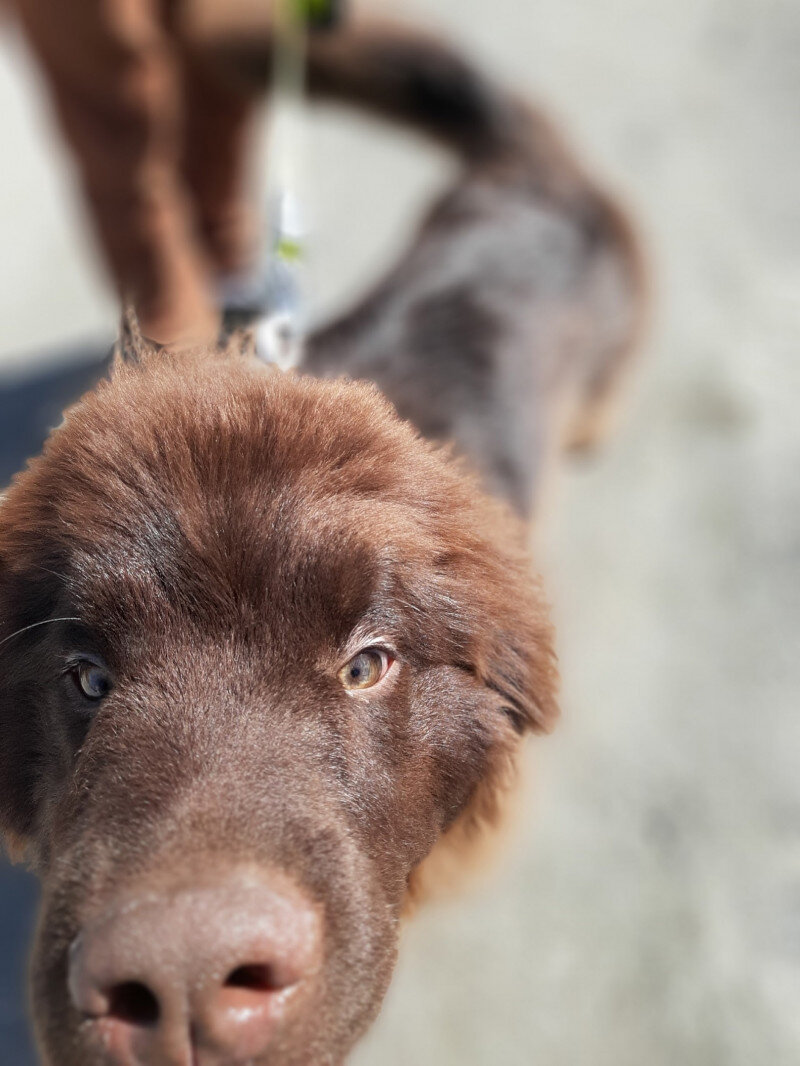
(265, 651)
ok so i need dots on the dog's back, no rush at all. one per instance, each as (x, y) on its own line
(509, 321)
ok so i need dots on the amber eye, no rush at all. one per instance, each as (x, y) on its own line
(366, 669)
(92, 680)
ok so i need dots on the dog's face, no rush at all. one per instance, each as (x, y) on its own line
(260, 648)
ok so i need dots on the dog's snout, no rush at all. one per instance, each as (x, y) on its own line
(171, 977)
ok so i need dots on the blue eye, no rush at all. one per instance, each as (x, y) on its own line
(92, 680)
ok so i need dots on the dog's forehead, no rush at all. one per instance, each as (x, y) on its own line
(226, 494)
(297, 560)
(219, 517)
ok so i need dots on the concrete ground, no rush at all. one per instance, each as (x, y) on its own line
(649, 909)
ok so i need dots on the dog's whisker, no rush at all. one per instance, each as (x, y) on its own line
(34, 625)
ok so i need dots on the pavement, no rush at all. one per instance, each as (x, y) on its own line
(648, 909)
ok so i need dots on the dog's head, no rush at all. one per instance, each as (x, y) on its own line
(260, 648)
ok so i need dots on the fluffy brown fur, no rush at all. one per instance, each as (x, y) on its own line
(223, 539)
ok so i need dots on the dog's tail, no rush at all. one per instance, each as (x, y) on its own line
(406, 75)
(402, 74)
(409, 76)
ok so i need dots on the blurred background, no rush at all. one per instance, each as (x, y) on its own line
(648, 910)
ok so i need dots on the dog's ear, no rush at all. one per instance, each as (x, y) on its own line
(132, 346)
(27, 595)
(241, 344)
(16, 847)
(521, 669)
(512, 637)
(16, 800)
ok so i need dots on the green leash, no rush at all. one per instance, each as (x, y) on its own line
(281, 333)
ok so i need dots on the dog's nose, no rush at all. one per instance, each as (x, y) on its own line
(173, 977)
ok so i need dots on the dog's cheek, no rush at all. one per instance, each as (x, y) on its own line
(17, 757)
(28, 594)
(464, 736)
(36, 754)
(35, 759)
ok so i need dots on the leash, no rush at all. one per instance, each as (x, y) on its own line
(281, 332)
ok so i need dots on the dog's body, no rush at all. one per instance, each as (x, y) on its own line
(509, 322)
(264, 650)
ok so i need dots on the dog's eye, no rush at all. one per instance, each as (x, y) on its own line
(92, 680)
(366, 669)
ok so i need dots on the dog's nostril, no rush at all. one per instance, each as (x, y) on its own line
(134, 1003)
(255, 977)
